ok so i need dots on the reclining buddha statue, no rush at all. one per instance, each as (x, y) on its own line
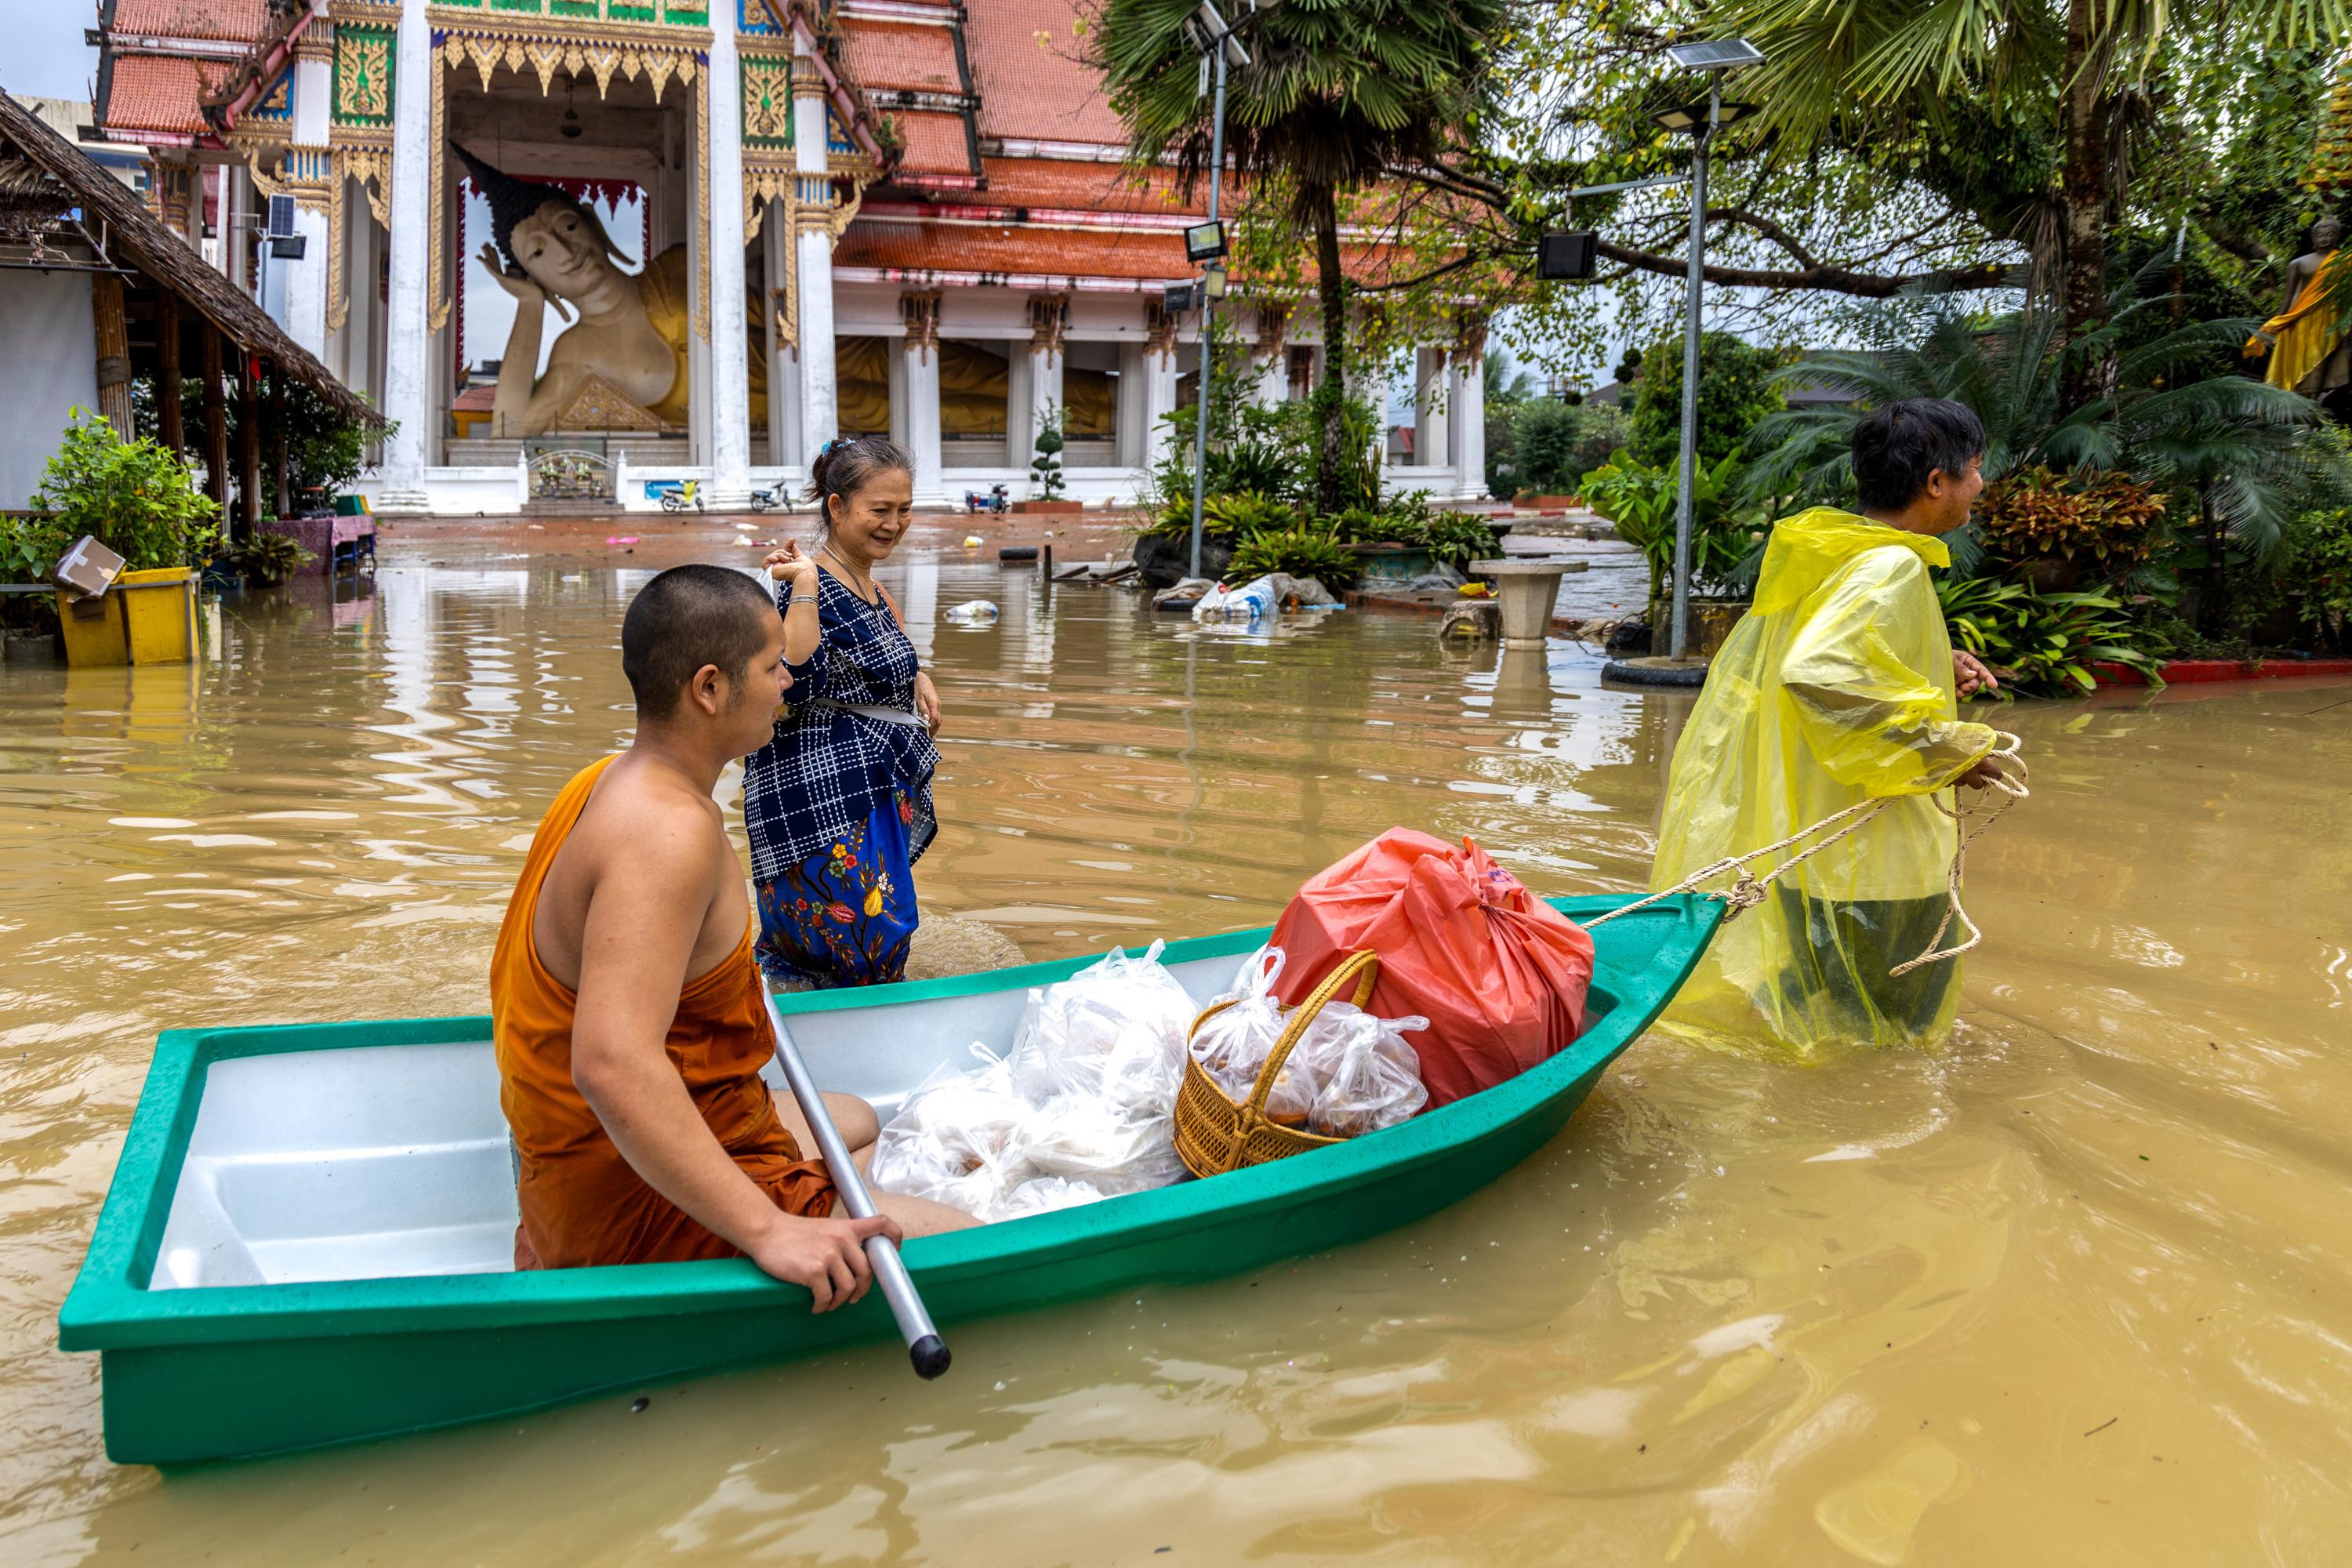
(622, 363)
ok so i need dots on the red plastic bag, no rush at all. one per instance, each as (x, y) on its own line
(1500, 974)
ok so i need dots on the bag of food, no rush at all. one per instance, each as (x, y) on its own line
(1085, 1136)
(1115, 1030)
(1238, 1030)
(1366, 1074)
(1500, 974)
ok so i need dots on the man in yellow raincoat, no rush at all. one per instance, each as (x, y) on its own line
(1839, 686)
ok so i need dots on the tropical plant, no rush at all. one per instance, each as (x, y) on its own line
(1735, 389)
(267, 559)
(1363, 525)
(2038, 514)
(2042, 645)
(1559, 443)
(2321, 545)
(31, 544)
(2240, 449)
(135, 496)
(1302, 552)
(1508, 383)
(1338, 94)
(1455, 539)
(1641, 500)
(1228, 516)
(1046, 468)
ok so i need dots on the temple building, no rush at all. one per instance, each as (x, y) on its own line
(659, 241)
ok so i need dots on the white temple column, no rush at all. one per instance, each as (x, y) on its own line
(1159, 402)
(1469, 410)
(1020, 407)
(407, 345)
(1273, 378)
(820, 402)
(783, 367)
(921, 420)
(305, 281)
(730, 365)
(1431, 391)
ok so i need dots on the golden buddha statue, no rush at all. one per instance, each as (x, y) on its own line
(627, 329)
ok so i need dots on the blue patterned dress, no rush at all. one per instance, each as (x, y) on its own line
(838, 803)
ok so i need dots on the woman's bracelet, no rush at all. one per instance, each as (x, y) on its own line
(801, 599)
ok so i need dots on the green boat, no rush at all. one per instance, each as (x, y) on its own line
(309, 1239)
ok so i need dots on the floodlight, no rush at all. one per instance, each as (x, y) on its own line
(1692, 116)
(1176, 298)
(1204, 241)
(1213, 283)
(1716, 55)
(1566, 255)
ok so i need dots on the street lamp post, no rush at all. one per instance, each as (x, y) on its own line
(1714, 57)
(1215, 41)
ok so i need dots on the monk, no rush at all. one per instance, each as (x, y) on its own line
(624, 1002)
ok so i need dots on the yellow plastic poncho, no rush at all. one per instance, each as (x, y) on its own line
(1835, 688)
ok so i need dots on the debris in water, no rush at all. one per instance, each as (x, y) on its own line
(638, 1404)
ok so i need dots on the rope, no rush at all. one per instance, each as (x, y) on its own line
(1749, 890)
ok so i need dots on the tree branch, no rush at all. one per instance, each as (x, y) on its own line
(1826, 279)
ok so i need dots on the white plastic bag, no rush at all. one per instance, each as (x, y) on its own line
(1365, 1073)
(1116, 1151)
(1115, 1030)
(1042, 1194)
(1233, 1041)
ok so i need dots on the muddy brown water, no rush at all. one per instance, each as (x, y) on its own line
(2073, 1292)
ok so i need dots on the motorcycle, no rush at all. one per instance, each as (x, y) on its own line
(992, 499)
(770, 500)
(688, 493)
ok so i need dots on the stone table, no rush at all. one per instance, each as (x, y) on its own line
(1529, 585)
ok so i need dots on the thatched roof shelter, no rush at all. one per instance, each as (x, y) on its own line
(58, 207)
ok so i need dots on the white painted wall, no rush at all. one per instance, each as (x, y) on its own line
(48, 344)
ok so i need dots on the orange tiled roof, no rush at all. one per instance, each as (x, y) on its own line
(239, 21)
(161, 92)
(936, 143)
(912, 56)
(1137, 254)
(1093, 187)
(1033, 86)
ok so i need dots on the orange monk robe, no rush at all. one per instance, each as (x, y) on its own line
(2303, 338)
(583, 1203)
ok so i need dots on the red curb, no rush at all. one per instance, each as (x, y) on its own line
(2185, 671)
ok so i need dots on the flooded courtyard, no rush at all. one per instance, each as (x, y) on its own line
(2074, 1290)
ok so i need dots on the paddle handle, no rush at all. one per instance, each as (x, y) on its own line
(924, 1346)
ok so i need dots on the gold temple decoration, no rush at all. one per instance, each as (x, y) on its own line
(601, 406)
(919, 309)
(1049, 320)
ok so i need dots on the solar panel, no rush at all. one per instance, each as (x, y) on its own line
(1716, 55)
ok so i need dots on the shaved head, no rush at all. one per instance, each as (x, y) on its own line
(686, 617)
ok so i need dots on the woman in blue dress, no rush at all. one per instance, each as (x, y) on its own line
(839, 803)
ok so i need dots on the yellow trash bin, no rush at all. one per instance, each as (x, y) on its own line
(147, 618)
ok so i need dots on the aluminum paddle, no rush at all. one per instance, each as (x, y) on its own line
(924, 1346)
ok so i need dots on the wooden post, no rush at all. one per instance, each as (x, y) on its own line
(167, 373)
(277, 440)
(216, 424)
(248, 446)
(113, 351)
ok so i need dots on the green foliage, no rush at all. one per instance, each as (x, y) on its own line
(1641, 500)
(1556, 444)
(30, 547)
(268, 558)
(1735, 389)
(2319, 545)
(1232, 516)
(1507, 385)
(1045, 469)
(1302, 552)
(2042, 645)
(1456, 539)
(135, 496)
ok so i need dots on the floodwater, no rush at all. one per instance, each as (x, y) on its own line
(2074, 1291)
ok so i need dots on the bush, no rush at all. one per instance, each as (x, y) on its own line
(1641, 500)
(1232, 515)
(1299, 552)
(1456, 539)
(1735, 390)
(135, 496)
(2042, 645)
(1046, 468)
(265, 559)
(2039, 514)
(1555, 444)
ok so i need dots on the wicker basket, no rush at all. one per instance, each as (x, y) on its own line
(1215, 1135)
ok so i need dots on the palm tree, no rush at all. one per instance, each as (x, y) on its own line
(1338, 93)
(2240, 447)
(1848, 70)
